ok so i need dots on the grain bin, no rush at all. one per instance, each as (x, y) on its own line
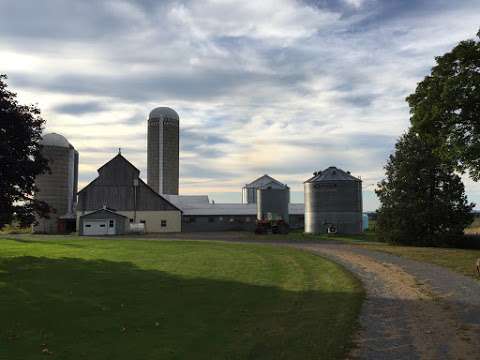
(272, 203)
(333, 202)
(58, 188)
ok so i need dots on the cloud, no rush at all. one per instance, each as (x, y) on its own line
(282, 87)
(80, 108)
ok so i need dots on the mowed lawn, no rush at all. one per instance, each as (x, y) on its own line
(67, 298)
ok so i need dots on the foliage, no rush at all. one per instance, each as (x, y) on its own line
(78, 298)
(20, 159)
(446, 106)
(423, 200)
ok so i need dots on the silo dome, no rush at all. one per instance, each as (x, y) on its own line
(54, 139)
(161, 112)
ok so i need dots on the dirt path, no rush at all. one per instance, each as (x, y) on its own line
(413, 310)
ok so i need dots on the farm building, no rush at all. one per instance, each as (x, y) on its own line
(103, 222)
(118, 186)
(199, 214)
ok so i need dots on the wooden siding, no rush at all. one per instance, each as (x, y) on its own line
(114, 188)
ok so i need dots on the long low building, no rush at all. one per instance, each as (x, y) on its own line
(120, 188)
(199, 214)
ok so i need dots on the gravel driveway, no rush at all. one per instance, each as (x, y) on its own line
(413, 310)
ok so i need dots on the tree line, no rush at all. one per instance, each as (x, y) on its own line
(422, 197)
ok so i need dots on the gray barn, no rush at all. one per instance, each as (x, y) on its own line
(333, 202)
(119, 186)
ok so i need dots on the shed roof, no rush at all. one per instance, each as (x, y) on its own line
(102, 210)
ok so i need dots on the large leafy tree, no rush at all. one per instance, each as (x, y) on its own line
(20, 159)
(446, 106)
(423, 200)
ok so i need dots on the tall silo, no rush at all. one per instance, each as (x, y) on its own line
(59, 187)
(163, 150)
(333, 202)
(272, 203)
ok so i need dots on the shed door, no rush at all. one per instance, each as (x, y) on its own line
(111, 227)
(95, 227)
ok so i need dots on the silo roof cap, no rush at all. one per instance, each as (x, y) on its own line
(54, 139)
(163, 112)
(332, 174)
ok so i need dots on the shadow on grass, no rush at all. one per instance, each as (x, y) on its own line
(72, 308)
(28, 240)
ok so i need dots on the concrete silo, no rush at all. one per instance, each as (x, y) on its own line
(163, 150)
(58, 188)
(272, 204)
(333, 202)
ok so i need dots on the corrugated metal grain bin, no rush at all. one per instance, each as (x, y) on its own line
(333, 202)
(272, 204)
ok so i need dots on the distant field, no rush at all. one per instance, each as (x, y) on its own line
(474, 228)
(71, 298)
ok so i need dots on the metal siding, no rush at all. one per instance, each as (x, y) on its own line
(335, 202)
(274, 201)
(203, 224)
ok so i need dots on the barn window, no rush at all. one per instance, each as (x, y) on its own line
(211, 219)
(88, 225)
(110, 223)
(131, 220)
(102, 225)
(142, 221)
(163, 223)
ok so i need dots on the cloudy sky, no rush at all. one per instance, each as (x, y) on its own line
(274, 86)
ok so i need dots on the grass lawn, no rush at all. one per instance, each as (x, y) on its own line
(71, 298)
(459, 260)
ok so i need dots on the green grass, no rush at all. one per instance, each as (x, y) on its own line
(458, 260)
(71, 298)
(300, 236)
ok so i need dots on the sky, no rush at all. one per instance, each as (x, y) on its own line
(281, 87)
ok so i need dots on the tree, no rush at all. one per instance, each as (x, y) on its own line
(446, 106)
(423, 200)
(20, 159)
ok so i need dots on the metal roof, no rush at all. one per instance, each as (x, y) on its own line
(265, 181)
(187, 201)
(163, 111)
(236, 209)
(332, 174)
